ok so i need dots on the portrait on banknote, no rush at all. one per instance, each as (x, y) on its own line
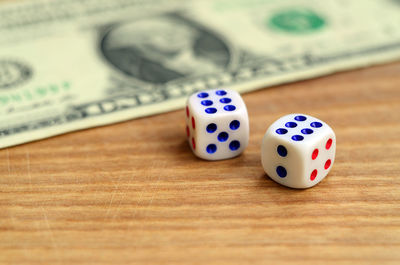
(164, 48)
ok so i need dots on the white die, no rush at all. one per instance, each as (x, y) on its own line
(298, 150)
(217, 124)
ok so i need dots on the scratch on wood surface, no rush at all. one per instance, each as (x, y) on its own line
(138, 202)
(8, 162)
(111, 201)
(154, 192)
(153, 166)
(117, 208)
(46, 220)
(116, 189)
(117, 183)
(28, 167)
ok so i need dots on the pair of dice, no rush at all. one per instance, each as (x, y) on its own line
(297, 151)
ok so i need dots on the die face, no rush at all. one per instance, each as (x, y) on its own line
(281, 160)
(216, 103)
(221, 133)
(298, 150)
(319, 159)
(217, 140)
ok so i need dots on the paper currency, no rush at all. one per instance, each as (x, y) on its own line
(67, 65)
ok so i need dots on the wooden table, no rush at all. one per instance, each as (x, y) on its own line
(134, 193)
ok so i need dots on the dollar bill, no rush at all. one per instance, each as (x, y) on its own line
(67, 65)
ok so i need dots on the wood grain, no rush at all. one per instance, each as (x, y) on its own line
(134, 193)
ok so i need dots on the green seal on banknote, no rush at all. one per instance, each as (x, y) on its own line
(296, 21)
